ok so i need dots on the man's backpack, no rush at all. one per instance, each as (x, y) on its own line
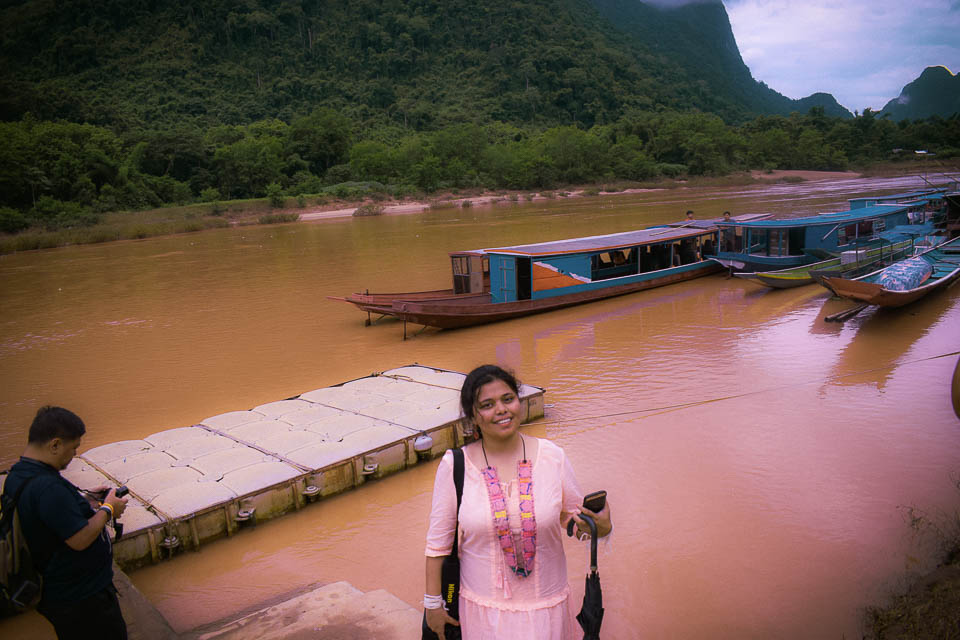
(19, 579)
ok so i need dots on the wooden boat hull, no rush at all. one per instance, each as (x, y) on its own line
(777, 281)
(946, 269)
(466, 310)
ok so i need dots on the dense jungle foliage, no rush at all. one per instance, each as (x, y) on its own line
(61, 174)
(421, 64)
(132, 105)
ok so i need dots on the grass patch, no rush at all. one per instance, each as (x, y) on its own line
(929, 607)
(466, 204)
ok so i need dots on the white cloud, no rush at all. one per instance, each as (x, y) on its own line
(862, 52)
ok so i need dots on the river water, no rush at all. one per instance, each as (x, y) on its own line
(759, 461)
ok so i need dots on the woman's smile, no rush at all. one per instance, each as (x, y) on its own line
(497, 409)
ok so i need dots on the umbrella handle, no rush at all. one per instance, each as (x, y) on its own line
(593, 538)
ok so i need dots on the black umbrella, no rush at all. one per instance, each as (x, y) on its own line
(591, 613)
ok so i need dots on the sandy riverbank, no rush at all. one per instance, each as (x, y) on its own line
(491, 198)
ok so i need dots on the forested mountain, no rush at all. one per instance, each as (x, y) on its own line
(935, 92)
(420, 64)
(697, 37)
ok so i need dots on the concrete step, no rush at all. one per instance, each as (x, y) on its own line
(336, 611)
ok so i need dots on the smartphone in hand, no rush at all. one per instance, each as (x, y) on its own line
(595, 501)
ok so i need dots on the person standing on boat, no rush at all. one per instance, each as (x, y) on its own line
(66, 534)
(518, 494)
(726, 216)
(689, 215)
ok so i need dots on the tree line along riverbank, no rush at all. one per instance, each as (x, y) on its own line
(370, 199)
(64, 176)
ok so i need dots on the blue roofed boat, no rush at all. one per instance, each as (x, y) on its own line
(771, 244)
(508, 282)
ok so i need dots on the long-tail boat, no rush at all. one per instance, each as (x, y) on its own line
(895, 244)
(905, 281)
(509, 282)
(775, 244)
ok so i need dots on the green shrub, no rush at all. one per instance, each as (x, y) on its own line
(275, 195)
(369, 209)
(466, 204)
(277, 218)
(12, 221)
(210, 194)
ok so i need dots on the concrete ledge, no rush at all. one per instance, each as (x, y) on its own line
(335, 611)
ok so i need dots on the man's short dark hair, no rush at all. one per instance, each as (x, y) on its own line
(55, 422)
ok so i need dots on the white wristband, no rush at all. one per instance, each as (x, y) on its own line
(432, 602)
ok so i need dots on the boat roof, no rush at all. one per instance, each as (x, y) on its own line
(840, 217)
(906, 231)
(900, 196)
(608, 242)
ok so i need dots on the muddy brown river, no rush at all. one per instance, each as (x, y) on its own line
(759, 460)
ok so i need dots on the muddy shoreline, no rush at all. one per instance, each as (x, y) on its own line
(489, 198)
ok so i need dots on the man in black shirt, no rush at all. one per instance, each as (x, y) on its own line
(66, 533)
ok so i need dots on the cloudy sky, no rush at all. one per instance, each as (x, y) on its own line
(861, 51)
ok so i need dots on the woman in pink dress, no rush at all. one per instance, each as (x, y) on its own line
(518, 494)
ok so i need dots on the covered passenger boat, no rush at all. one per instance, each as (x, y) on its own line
(770, 245)
(895, 244)
(905, 281)
(509, 282)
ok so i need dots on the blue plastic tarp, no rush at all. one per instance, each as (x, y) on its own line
(905, 275)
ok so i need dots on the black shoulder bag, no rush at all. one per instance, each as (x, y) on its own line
(450, 570)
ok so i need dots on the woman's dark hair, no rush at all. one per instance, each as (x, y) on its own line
(477, 378)
(55, 422)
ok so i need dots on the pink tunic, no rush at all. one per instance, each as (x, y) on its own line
(495, 604)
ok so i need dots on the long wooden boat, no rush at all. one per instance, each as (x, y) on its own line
(500, 283)
(894, 244)
(905, 281)
(776, 244)
(839, 266)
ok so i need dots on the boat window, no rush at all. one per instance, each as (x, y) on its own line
(795, 242)
(461, 274)
(654, 257)
(759, 241)
(847, 234)
(709, 245)
(779, 243)
(614, 264)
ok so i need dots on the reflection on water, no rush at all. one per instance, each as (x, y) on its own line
(755, 455)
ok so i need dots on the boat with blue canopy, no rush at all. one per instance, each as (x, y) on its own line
(500, 283)
(774, 244)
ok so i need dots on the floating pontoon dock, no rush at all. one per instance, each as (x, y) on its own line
(195, 484)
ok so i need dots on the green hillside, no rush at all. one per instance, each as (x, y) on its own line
(420, 64)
